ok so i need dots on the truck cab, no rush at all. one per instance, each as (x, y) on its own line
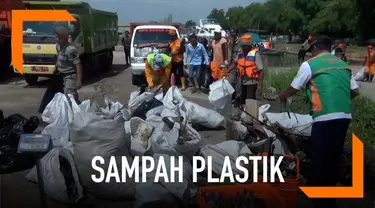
(144, 39)
(94, 34)
(39, 47)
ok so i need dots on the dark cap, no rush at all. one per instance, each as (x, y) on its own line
(321, 42)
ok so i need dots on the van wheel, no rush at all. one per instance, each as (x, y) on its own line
(31, 79)
(86, 65)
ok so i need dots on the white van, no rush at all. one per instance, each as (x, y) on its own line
(141, 45)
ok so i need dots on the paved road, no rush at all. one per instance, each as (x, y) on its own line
(17, 97)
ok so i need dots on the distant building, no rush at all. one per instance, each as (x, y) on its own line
(122, 27)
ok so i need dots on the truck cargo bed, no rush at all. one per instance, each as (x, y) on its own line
(6, 7)
(99, 27)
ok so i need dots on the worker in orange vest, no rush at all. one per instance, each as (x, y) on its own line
(158, 70)
(220, 55)
(177, 48)
(369, 64)
(250, 70)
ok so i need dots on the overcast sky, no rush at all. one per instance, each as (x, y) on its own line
(181, 10)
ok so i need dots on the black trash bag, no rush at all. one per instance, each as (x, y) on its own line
(11, 161)
(12, 128)
(145, 107)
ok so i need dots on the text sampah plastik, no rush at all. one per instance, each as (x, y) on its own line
(172, 171)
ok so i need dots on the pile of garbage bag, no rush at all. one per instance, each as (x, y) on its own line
(149, 125)
(11, 128)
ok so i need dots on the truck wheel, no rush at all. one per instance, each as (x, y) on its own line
(31, 79)
(110, 61)
(106, 61)
(87, 65)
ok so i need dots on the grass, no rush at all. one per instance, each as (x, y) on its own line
(363, 122)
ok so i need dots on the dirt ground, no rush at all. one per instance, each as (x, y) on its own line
(17, 97)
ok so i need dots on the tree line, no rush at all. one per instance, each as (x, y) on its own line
(336, 18)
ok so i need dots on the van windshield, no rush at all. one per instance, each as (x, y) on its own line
(151, 36)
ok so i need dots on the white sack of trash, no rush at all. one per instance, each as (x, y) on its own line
(198, 114)
(58, 170)
(220, 96)
(360, 76)
(299, 123)
(164, 192)
(228, 150)
(92, 136)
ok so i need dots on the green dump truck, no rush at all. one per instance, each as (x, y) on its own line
(94, 34)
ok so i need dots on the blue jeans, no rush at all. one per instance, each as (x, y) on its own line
(195, 71)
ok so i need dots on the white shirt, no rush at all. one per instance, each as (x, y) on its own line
(303, 77)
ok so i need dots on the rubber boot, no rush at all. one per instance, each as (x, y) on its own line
(183, 83)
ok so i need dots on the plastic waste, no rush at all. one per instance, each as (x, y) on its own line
(360, 76)
(92, 136)
(13, 127)
(220, 96)
(199, 115)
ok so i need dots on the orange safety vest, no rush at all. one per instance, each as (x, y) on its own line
(247, 66)
(369, 57)
(175, 46)
(159, 73)
(370, 66)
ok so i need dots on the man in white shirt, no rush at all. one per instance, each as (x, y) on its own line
(329, 89)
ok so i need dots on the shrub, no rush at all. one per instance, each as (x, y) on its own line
(363, 122)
